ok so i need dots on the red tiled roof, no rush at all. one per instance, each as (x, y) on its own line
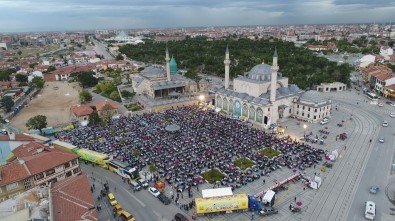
(47, 160)
(73, 200)
(383, 77)
(391, 87)
(106, 105)
(29, 149)
(13, 172)
(18, 137)
(81, 110)
(49, 77)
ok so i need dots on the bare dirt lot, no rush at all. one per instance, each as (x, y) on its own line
(54, 101)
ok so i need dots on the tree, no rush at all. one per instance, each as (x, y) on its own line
(94, 118)
(85, 96)
(19, 53)
(38, 82)
(127, 94)
(136, 153)
(152, 168)
(7, 103)
(21, 78)
(119, 57)
(87, 79)
(37, 122)
(50, 69)
(33, 64)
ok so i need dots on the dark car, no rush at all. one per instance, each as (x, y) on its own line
(164, 199)
(268, 211)
(180, 217)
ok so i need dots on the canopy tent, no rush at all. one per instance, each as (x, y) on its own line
(172, 128)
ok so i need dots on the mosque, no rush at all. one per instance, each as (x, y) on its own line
(264, 96)
(158, 86)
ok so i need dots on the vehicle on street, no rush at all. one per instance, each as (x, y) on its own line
(180, 217)
(324, 121)
(112, 200)
(164, 199)
(392, 104)
(392, 115)
(381, 140)
(126, 216)
(385, 124)
(380, 104)
(372, 97)
(370, 210)
(388, 102)
(118, 209)
(374, 189)
(268, 211)
(135, 186)
(154, 191)
(143, 183)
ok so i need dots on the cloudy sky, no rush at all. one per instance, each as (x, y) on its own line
(52, 15)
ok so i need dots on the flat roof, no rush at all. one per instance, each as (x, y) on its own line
(64, 144)
(227, 191)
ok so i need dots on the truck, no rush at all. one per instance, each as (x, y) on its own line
(100, 159)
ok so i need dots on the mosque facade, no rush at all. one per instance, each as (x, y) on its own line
(264, 96)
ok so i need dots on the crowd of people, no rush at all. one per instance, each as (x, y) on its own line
(205, 139)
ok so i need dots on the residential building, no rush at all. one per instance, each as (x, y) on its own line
(9, 142)
(329, 87)
(81, 112)
(380, 80)
(106, 109)
(15, 178)
(72, 200)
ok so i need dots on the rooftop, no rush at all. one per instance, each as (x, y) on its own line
(47, 160)
(29, 149)
(13, 172)
(81, 110)
(73, 200)
(106, 105)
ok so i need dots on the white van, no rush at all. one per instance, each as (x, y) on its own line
(370, 210)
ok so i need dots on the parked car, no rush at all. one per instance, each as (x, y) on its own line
(392, 115)
(268, 211)
(154, 191)
(180, 217)
(381, 140)
(143, 183)
(324, 121)
(385, 124)
(374, 189)
(380, 104)
(164, 199)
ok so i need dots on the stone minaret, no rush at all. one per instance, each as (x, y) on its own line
(227, 63)
(273, 83)
(167, 65)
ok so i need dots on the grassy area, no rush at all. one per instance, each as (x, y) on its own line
(243, 163)
(133, 107)
(213, 175)
(270, 152)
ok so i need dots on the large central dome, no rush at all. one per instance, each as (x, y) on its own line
(261, 72)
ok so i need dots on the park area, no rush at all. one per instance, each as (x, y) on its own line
(54, 101)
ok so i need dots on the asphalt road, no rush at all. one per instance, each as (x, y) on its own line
(101, 49)
(141, 204)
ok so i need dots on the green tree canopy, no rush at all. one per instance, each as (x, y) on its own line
(21, 78)
(5, 74)
(94, 118)
(37, 122)
(50, 68)
(38, 82)
(85, 96)
(119, 57)
(7, 103)
(87, 79)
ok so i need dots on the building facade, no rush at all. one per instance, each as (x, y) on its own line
(264, 96)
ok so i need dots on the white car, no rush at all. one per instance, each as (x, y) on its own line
(385, 124)
(380, 104)
(392, 114)
(154, 191)
(324, 121)
(392, 104)
(381, 140)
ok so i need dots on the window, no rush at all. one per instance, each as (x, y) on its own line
(290, 110)
(50, 172)
(315, 110)
(303, 108)
(309, 109)
(74, 162)
(12, 186)
(315, 117)
(268, 109)
(76, 170)
(298, 105)
(27, 184)
(297, 112)
(39, 176)
(308, 115)
(67, 165)
(68, 174)
(302, 114)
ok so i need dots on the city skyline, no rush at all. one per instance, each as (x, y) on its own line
(56, 15)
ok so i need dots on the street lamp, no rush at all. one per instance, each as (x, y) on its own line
(304, 131)
(201, 97)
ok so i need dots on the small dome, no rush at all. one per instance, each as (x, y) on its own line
(261, 72)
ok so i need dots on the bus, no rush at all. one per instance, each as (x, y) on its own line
(373, 98)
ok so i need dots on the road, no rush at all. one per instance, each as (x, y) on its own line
(97, 98)
(101, 49)
(363, 163)
(141, 204)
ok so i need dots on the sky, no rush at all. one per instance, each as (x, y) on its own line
(60, 15)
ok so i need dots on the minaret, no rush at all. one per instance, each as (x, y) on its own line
(227, 63)
(167, 65)
(273, 83)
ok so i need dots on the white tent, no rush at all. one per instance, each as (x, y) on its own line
(227, 191)
(268, 196)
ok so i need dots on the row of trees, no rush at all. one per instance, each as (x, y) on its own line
(300, 65)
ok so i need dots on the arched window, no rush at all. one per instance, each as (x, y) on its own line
(219, 102)
(259, 115)
(245, 110)
(252, 113)
(225, 104)
(231, 106)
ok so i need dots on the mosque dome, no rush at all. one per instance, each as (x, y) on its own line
(261, 72)
(173, 66)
